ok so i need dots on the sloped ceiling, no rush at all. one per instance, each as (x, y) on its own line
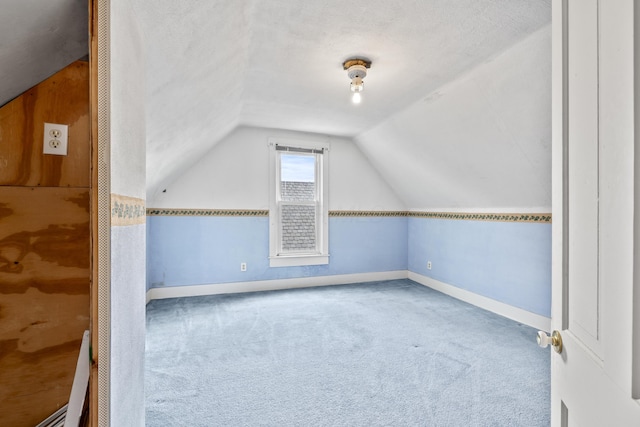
(37, 39)
(213, 65)
(481, 141)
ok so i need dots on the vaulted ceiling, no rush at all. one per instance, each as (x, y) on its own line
(214, 65)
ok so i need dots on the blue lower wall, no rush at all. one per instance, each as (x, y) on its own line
(509, 262)
(506, 261)
(194, 250)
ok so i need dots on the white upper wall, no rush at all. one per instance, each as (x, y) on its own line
(39, 38)
(483, 141)
(216, 64)
(480, 143)
(127, 104)
(235, 175)
(127, 257)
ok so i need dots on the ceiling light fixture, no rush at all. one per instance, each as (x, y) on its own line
(357, 71)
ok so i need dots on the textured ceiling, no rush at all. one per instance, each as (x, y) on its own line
(215, 65)
(37, 39)
(481, 141)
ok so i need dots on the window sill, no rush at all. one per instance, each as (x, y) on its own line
(297, 260)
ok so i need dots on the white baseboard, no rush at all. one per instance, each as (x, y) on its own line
(519, 315)
(271, 285)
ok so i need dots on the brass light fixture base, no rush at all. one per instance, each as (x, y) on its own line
(356, 61)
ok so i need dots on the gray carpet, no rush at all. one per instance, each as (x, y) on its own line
(391, 353)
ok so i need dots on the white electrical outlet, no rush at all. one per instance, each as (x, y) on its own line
(243, 266)
(428, 265)
(55, 139)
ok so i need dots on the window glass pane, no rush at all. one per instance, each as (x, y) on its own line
(298, 228)
(297, 177)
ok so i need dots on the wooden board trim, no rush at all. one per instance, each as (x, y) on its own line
(93, 130)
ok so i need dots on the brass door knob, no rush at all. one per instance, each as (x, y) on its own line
(555, 340)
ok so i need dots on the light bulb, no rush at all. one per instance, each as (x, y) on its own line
(356, 98)
(357, 85)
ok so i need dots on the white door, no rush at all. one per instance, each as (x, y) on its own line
(595, 380)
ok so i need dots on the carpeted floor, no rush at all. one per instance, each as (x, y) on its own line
(391, 353)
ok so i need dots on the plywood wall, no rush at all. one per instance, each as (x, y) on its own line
(44, 247)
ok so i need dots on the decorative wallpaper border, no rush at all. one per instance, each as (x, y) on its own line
(127, 211)
(498, 217)
(367, 213)
(206, 212)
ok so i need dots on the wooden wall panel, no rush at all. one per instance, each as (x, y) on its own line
(63, 99)
(45, 253)
(44, 298)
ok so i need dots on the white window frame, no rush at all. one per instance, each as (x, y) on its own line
(320, 256)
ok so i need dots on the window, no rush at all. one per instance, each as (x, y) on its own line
(298, 215)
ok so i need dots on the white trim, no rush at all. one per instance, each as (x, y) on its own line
(271, 285)
(322, 205)
(517, 314)
(298, 260)
(510, 312)
(80, 384)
